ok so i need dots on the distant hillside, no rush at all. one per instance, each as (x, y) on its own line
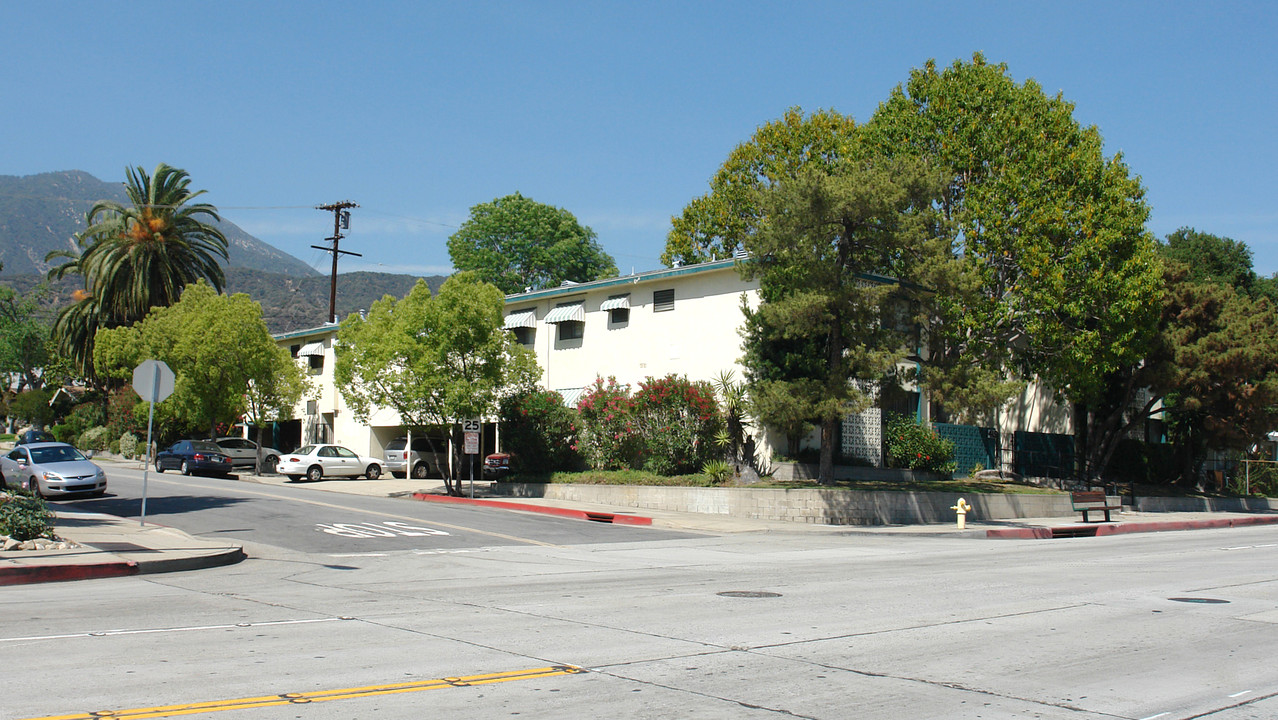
(41, 213)
(288, 303)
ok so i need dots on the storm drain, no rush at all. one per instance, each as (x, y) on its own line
(1205, 601)
(748, 594)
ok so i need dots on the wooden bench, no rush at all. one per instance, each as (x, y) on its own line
(1086, 501)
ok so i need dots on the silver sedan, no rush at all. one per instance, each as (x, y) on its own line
(50, 469)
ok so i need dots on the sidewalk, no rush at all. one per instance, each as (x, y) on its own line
(112, 546)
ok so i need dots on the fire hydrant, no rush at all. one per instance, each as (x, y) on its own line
(962, 509)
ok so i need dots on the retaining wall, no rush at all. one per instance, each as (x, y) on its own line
(816, 505)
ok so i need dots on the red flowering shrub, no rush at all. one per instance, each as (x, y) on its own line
(677, 420)
(606, 433)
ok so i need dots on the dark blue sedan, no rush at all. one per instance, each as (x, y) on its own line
(194, 456)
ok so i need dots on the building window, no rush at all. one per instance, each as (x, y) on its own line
(662, 300)
(571, 330)
(620, 316)
(316, 364)
(525, 335)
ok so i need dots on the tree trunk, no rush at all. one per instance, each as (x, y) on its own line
(826, 472)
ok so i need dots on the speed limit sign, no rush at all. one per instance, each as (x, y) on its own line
(470, 436)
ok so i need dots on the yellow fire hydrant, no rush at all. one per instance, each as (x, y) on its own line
(962, 509)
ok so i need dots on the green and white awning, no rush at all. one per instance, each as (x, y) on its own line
(571, 396)
(521, 319)
(315, 348)
(567, 312)
(616, 302)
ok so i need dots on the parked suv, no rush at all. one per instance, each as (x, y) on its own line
(420, 461)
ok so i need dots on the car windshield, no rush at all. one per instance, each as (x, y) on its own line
(46, 455)
(205, 446)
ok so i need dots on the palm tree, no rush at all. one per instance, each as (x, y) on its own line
(135, 258)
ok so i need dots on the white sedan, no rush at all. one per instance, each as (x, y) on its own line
(315, 462)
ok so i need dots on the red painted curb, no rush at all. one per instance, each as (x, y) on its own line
(1104, 529)
(613, 518)
(24, 575)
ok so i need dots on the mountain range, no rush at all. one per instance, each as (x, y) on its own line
(41, 213)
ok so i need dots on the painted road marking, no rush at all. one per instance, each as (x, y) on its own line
(317, 503)
(1240, 694)
(389, 528)
(149, 631)
(322, 695)
(1251, 547)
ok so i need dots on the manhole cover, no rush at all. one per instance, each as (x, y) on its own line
(1205, 601)
(748, 594)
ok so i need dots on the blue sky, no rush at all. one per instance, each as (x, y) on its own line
(617, 112)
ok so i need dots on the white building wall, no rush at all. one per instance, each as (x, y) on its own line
(698, 337)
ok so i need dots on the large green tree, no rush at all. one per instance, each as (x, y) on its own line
(136, 257)
(225, 361)
(516, 243)
(716, 224)
(435, 360)
(827, 256)
(1058, 277)
(24, 338)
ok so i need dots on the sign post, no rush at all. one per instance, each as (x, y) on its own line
(152, 381)
(470, 443)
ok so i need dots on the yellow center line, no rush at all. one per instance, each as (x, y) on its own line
(459, 528)
(321, 695)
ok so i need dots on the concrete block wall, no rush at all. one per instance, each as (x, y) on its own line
(821, 506)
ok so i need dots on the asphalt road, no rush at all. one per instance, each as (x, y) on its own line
(767, 625)
(296, 518)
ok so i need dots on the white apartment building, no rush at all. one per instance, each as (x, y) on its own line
(681, 320)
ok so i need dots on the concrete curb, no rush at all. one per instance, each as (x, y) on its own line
(1105, 529)
(544, 509)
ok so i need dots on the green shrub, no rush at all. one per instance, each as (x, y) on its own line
(64, 433)
(606, 433)
(95, 439)
(128, 443)
(24, 516)
(916, 447)
(676, 420)
(537, 430)
(718, 470)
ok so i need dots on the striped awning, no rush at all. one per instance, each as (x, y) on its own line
(521, 319)
(616, 302)
(571, 396)
(315, 348)
(567, 312)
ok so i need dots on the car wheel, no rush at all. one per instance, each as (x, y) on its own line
(158, 467)
(33, 487)
(270, 463)
(373, 472)
(186, 469)
(420, 471)
(315, 473)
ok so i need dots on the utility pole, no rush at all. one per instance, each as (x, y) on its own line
(341, 221)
